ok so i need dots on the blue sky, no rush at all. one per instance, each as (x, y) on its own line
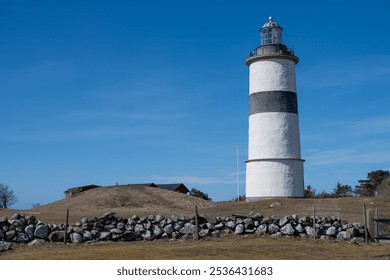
(99, 92)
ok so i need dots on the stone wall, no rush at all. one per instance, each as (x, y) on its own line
(109, 227)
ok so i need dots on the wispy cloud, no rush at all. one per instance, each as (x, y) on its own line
(346, 156)
(125, 116)
(349, 71)
(367, 126)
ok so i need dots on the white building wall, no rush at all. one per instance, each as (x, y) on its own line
(274, 166)
(272, 74)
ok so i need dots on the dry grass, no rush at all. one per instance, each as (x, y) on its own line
(210, 249)
(145, 200)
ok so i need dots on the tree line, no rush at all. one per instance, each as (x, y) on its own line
(377, 183)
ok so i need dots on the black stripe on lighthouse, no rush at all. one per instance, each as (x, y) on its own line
(273, 101)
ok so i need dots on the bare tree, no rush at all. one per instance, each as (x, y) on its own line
(7, 197)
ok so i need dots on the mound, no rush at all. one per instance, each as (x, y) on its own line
(124, 200)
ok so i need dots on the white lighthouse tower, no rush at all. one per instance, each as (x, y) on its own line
(274, 167)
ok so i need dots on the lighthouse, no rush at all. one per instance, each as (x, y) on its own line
(274, 167)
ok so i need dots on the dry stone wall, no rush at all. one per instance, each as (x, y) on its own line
(109, 227)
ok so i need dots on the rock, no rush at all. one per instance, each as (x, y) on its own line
(299, 228)
(87, 235)
(116, 231)
(277, 235)
(157, 231)
(310, 231)
(275, 204)
(331, 231)
(16, 223)
(92, 220)
(16, 216)
(220, 225)
(188, 228)
(22, 237)
(168, 229)
(5, 246)
(138, 228)
(262, 229)
(215, 233)
(76, 238)
(204, 232)
(104, 235)
(240, 228)
(178, 225)
(283, 221)
(109, 215)
(42, 231)
(121, 225)
(273, 228)
(57, 236)
(78, 229)
(10, 235)
(343, 235)
(288, 229)
(2, 235)
(147, 224)
(30, 229)
(159, 218)
(37, 242)
(148, 235)
(231, 224)
(127, 236)
(353, 232)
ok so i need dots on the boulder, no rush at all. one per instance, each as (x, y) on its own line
(57, 236)
(231, 224)
(147, 235)
(10, 235)
(5, 246)
(22, 237)
(42, 231)
(159, 218)
(87, 235)
(16, 223)
(30, 229)
(204, 232)
(76, 238)
(127, 236)
(343, 235)
(168, 229)
(188, 228)
(288, 229)
(262, 229)
(273, 228)
(353, 232)
(37, 242)
(104, 235)
(310, 231)
(157, 231)
(138, 228)
(275, 204)
(331, 231)
(283, 221)
(240, 228)
(299, 228)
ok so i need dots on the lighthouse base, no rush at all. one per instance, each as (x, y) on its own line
(268, 178)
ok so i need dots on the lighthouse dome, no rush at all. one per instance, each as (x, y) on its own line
(271, 33)
(271, 23)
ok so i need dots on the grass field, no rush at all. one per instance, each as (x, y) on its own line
(210, 249)
(126, 202)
